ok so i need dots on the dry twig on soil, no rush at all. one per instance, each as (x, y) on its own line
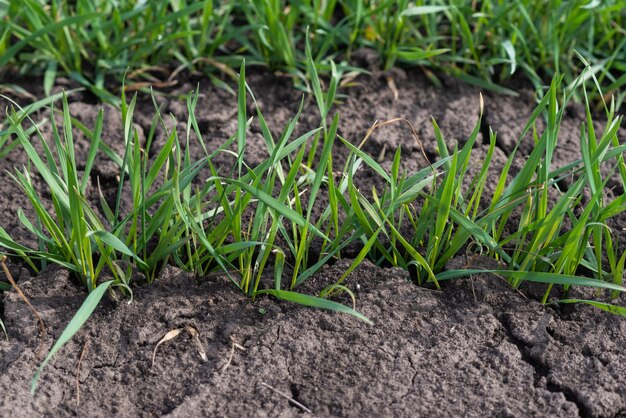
(42, 326)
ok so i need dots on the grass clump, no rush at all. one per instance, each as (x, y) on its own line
(535, 229)
(171, 220)
(557, 234)
(74, 231)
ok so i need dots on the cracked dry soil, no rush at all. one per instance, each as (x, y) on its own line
(476, 348)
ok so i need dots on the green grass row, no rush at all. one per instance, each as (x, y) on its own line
(96, 42)
(255, 223)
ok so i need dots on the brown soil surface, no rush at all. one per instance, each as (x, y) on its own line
(476, 348)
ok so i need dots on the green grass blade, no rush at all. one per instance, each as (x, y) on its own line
(608, 307)
(423, 10)
(367, 159)
(313, 301)
(94, 146)
(85, 311)
(241, 116)
(115, 243)
(538, 277)
(278, 267)
(329, 139)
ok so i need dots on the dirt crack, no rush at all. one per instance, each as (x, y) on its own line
(278, 335)
(541, 369)
(413, 378)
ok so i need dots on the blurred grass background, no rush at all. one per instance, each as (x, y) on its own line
(482, 42)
